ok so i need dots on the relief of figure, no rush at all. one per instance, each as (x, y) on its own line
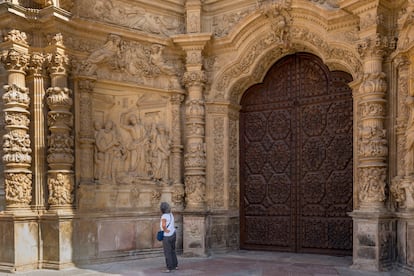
(60, 190)
(99, 156)
(112, 48)
(160, 151)
(136, 147)
(108, 142)
(157, 59)
(409, 143)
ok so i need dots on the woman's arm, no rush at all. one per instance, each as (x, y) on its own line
(164, 225)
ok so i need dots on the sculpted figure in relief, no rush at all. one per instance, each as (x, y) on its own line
(135, 18)
(409, 144)
(160, 150)
(99, 156)
(111, 49)
(60, 190)
(137, 145)
(109, 143)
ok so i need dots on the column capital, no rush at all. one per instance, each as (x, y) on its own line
(375, 46)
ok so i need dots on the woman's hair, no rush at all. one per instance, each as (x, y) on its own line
(165, 207)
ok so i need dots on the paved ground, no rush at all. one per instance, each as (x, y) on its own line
(238, 263)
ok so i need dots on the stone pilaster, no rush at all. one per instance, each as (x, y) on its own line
(402, 188)
(176, 152)
(194, 79)
(36, 83)
(16, 142)
(86, 140)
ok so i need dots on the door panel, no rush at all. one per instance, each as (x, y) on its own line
(296, 159)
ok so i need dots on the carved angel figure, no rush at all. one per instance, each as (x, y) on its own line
(111, 49)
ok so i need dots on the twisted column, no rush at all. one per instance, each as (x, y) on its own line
(16, 142)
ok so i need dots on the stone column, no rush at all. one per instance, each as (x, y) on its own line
(18, 225)
(57, 223)
(194, 79)
(176, 153)
(16, 142)
(374, 227)
(60, 122)
(36, 84)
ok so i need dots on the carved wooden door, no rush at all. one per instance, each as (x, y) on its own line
(296, 159)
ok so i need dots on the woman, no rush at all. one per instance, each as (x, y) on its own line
(168, 243)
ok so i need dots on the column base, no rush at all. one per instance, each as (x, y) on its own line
(19, 241)
(374, 240)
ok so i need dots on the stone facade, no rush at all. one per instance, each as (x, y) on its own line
(110, 107)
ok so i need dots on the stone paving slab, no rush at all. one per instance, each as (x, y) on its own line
(238, 263)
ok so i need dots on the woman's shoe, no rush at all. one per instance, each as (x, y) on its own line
(166, 271)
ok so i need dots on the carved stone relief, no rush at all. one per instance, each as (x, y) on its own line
(219, 181)
(132, 140)
(277, 49)
(129, 15)
(134, 62)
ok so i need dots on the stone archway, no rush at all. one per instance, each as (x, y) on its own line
(296, 159)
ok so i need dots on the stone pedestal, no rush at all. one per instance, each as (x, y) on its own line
(405, 244)
(19, 242)
(57, 237)
(194, 235)
(373, 240)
